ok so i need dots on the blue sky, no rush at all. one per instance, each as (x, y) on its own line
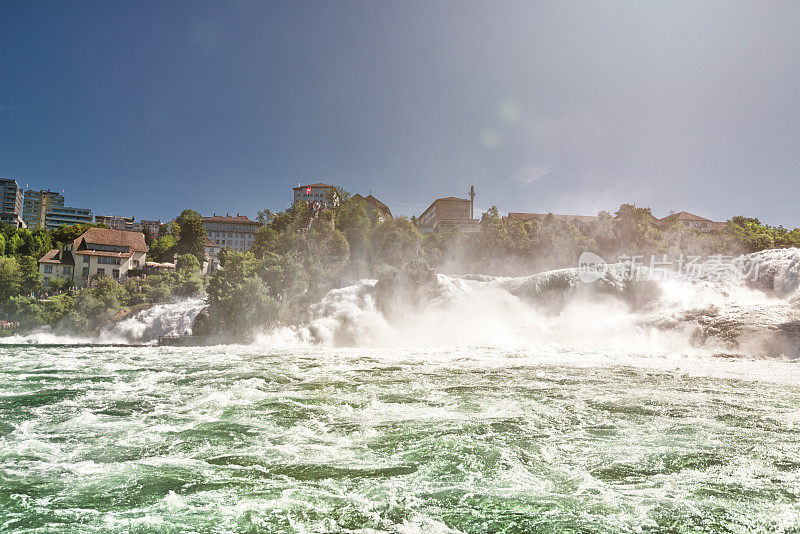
(146, 108)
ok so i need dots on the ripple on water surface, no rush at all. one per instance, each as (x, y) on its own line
(242, 439)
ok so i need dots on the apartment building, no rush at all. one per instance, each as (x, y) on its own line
(46, 209)
(36, 204)
(98, 252)
(11, 198)
(117, 222)
(153, 227)
(237, 232)
(65, 215)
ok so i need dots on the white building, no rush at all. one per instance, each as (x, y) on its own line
(312, 193)
(117, 222)
(212, 256)
(237, 233)
(98, 252)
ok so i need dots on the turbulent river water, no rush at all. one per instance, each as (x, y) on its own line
(489, 410)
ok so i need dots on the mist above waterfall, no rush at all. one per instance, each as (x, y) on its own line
(755, 317)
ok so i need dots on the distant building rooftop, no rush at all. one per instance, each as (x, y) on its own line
(557, 216)
(104, 236)
(312, 185)
(238, 219)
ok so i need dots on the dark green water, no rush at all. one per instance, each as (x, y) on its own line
(243, 439)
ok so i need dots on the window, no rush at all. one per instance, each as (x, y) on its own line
(85, 273)
(101, 271)
(115, 274)
(48, 269)
(106, 248)
(86, 259)
(67, 270)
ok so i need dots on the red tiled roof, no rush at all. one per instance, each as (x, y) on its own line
(686, 216)
(239, 219)
(542, 216)
(104, 236)
(58, 257)
(440, 199)
(380, 205)
(375, 202)
(451, 198)
(312, 185)
(210, 244)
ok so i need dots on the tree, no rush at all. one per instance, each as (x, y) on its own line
(10, 279)
(187, 262)
(59, 285)
(264, 242)
(148, 237)
(351, 219)
(636, 227)
(163, 249)
(237, 296)
(283, 274)
(14, 245)
(30, 279)
(336, 196)
(66, 234)
(192, 234)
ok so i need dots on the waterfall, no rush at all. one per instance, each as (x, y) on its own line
(172, 319)
(627, 309)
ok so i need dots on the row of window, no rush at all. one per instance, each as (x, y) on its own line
(224, 227)
(66, 269)
(214, 235)
(107, 248)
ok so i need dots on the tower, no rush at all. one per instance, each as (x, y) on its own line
(471, 202)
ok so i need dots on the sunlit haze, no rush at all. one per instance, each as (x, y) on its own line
(145, 108)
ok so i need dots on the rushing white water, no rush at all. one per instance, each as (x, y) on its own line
(248, 439)
(174, 319)
(146, 326)
(757, 317)
(533, 404)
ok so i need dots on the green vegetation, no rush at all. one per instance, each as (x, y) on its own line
(300, 254)
(87, 310)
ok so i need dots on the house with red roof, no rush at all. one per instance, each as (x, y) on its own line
(96, 253)
(375, 208)
(701, 224)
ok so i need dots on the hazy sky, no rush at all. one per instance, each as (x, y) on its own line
(145, 108)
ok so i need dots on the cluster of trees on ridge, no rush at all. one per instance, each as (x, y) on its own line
(299, 255)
